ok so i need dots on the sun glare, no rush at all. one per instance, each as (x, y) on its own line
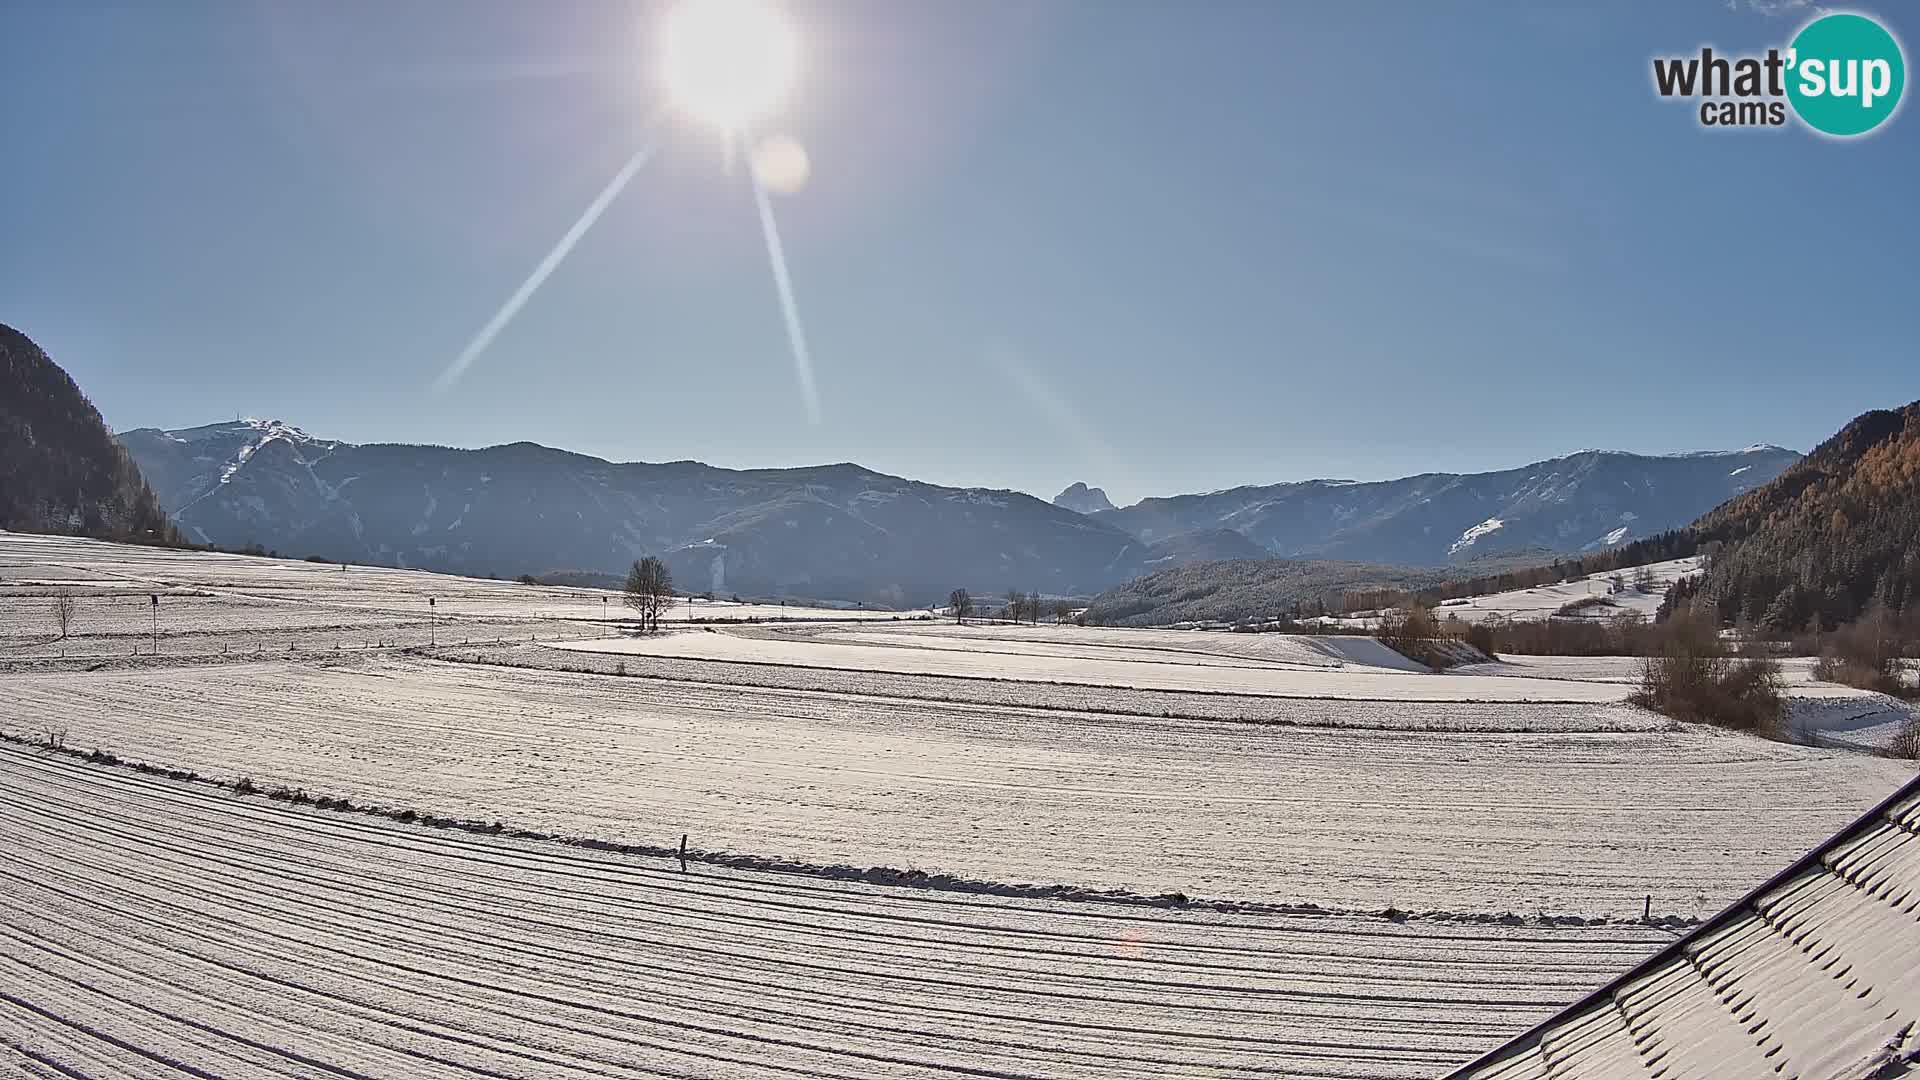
(728, 61)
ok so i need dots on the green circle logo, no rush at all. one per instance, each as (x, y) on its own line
(1845, 74)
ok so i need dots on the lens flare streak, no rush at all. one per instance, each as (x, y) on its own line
(776, 255)
(541, 272)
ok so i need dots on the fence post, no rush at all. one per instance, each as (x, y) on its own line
(1647, 915)
(683, 853)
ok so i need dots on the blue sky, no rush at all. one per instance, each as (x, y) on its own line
(1157, 247)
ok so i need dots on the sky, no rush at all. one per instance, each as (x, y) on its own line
(1151, 246)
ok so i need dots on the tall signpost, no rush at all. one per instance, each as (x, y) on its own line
(153, 602)
(433, 624)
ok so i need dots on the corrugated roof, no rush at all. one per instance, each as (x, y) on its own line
(1814, 975)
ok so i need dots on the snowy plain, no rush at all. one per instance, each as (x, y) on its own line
(1563, 822)
(1437, 821)
(151, 927)
(1100, 664)
(211, 601)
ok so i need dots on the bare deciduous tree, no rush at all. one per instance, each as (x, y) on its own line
(961, 604)
(649, 588)
(1062, 611)
(63, 613)
(1644, 581)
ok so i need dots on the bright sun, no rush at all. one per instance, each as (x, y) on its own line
(728, 61)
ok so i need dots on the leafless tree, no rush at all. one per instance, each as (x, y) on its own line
(961, 604)
(649, 588)
(1062, 611)
(1644, 581)
(63, 613)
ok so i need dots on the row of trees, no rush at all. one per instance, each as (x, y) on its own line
(1021, 607)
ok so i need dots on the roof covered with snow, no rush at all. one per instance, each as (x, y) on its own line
(1816, 974)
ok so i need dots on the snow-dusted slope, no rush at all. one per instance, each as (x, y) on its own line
(1582, 502)
(1606, 595)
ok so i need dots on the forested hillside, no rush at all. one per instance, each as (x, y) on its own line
(60, 468)
(1829, 537)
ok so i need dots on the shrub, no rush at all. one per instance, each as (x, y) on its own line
(1690, 677)
(1906, 742)
(1482, 637)
(1864, 654)
(1584, 605)
(1414, 633)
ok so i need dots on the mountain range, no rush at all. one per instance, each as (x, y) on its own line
(844, 532)
(838, 532)
(1587, 501)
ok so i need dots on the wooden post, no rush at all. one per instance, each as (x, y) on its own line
(683, 853)
(1647, 915)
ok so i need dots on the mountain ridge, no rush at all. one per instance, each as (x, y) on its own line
(839, 530)
(1827, 540)
(1567, 503)
(843, 530)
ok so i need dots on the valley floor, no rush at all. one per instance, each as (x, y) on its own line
(151, 927)
(1477, 847)
(1423, 809)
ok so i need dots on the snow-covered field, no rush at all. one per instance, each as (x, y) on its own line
(1563, 822)
(1316, 669)
(148, 924)
(151, 927)
(211, 601)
